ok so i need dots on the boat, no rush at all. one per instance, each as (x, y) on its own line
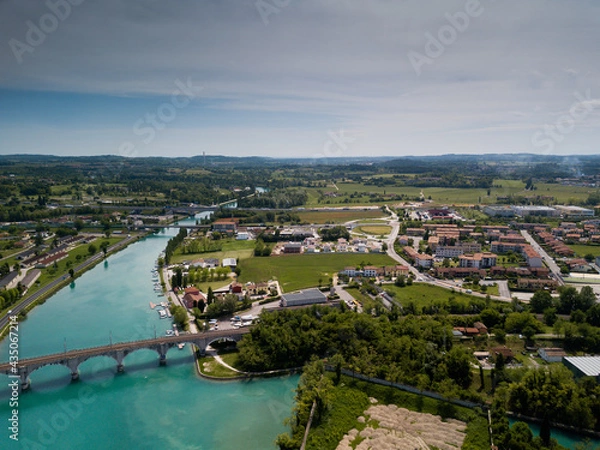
(163, 304)
(181, 345)
(169, 333)
(162, 314)
(168, 312)
(152, 305)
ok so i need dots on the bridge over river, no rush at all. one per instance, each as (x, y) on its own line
(73, 358)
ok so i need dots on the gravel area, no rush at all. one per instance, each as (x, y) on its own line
(399, 428)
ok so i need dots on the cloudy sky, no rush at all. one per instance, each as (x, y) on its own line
(299, 78)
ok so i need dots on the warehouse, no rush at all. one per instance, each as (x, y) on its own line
(307, 297)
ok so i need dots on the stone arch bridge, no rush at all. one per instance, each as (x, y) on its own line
(73, 358)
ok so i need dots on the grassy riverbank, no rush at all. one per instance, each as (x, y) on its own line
(66, 281)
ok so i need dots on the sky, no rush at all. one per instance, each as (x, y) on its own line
(299, 78)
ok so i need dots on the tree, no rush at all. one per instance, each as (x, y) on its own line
(550, 316)
(104, 247)
(92, 249)
(459, 366)
(585, 299)
(540, 301)
(78, 224)
(71, 273)
(589, 257)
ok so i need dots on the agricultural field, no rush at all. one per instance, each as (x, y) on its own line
(376, 230)
(340, 216)
(441, 195)
(303, 271)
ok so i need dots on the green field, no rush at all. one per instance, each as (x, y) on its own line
(361, 193)
(232, 248)
(340, 216)
(302, 271)
(582, 250)
(423, 294)
(375, 230)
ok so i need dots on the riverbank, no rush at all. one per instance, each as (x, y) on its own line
(219, 370)
(28, 303)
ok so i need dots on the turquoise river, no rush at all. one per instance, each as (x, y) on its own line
(147, 407)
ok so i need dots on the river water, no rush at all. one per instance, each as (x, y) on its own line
(147, 407)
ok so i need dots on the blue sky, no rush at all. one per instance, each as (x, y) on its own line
(284, 77)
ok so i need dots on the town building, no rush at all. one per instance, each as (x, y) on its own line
(292, 247)
(306, 297)
(478, 260)
(552, 354)
(584, 366)
(574, 211)
(192, 296)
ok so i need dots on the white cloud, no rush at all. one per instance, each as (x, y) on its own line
(512, 68)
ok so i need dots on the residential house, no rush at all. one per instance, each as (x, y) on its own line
(192, 296)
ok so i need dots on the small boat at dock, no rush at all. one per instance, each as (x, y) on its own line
(181, 345)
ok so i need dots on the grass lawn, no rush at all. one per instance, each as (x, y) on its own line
(375, 230)
(232, 248)
(582, 250)
(209, 366)
(213, 284)
(423, 294)
(341, 216)
(303, 271)
(231, 358)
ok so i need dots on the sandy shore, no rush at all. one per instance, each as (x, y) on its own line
(390, 427)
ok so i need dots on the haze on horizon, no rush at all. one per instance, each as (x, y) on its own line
(299, 78)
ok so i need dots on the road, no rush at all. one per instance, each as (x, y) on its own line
(23, 304)
(423, 277)
(391, 251)
(545, 256)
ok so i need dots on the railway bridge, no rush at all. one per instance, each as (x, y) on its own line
(73, 358)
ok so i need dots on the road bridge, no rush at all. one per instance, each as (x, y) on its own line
(73, 358)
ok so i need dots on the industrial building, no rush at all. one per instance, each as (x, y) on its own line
(307, 297)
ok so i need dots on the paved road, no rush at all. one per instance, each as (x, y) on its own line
(545, 256)
(23, 304)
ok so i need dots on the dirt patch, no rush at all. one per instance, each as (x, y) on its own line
(398, 428)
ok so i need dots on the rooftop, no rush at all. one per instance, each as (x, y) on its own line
(588, 365)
